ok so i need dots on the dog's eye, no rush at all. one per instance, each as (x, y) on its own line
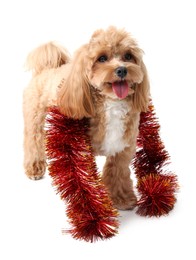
(128, 56)
(102, 58)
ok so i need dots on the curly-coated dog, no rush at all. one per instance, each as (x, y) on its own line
(105, 80)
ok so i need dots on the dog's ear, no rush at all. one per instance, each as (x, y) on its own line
(74, 97)
(142, 92)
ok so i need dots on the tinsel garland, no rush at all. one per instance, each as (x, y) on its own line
(73, 169)
(157, 186)
(75, 176)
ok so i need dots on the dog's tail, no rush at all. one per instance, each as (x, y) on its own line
(46, 56)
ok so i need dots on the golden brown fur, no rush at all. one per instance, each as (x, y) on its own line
(106, 80)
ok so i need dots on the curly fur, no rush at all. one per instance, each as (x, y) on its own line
(83, 86)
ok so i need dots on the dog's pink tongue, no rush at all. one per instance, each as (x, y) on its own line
(120, 88)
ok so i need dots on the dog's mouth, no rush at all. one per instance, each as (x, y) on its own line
(120, 88)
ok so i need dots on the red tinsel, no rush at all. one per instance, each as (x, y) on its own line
(73, 169)
(156, 188)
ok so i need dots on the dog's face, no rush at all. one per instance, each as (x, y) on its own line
(114, 63)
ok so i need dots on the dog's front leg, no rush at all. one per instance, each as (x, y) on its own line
(116, 177)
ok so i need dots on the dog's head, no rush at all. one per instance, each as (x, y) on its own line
(111, 63)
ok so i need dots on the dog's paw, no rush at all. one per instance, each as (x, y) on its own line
(127, 203)
(36, 170)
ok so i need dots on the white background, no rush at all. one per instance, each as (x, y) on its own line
(31, 214)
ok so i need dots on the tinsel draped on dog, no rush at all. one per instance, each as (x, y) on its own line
(96, 103)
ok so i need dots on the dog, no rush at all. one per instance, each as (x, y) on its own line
(106, 80)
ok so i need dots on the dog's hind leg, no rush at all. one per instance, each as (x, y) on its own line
(34, 148)
(37, 97)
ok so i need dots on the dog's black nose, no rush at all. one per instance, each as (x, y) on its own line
(121, 72)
